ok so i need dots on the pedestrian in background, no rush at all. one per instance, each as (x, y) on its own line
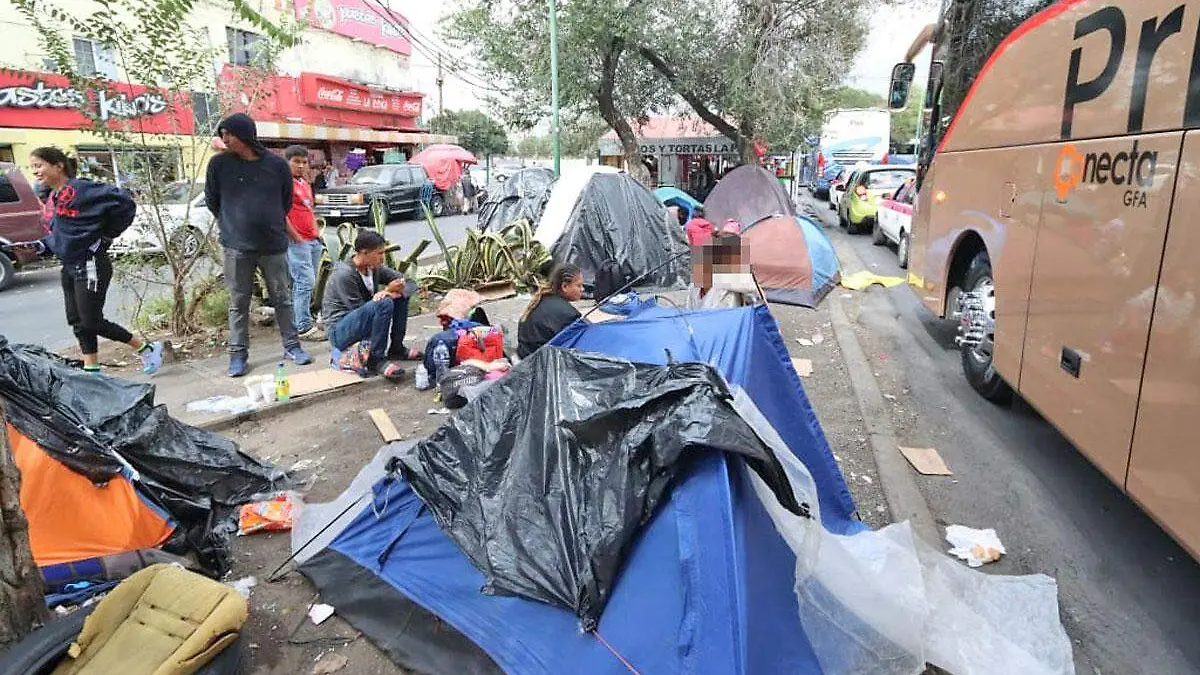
(304, 249)
(82, 218)
(249, 191)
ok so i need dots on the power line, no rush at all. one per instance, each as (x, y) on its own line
(455, 67)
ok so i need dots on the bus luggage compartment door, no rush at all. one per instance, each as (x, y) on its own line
(1099, 250)
(1164, 469)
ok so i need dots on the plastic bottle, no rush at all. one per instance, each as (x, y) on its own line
(422, 378)
(283, 388)
(441, 361)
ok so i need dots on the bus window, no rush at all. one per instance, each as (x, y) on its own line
(973, 29)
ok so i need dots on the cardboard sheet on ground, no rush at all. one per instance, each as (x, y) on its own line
(803, 367)
(926, 461)
(316, 381)
(864, 278)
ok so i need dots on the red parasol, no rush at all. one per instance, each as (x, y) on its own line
(444, 163)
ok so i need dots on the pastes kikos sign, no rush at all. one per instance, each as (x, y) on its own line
(47, 101)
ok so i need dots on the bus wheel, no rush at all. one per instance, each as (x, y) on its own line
(977, 332)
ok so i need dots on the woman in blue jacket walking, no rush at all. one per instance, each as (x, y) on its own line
(82, 218)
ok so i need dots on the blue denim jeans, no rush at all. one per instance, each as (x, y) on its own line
(382, 323)
(304, 259)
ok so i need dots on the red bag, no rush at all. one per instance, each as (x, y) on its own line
(485, 343)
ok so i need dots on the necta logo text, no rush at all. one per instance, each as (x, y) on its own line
(1133, 168)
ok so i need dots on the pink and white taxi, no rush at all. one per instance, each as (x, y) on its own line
(893, 221)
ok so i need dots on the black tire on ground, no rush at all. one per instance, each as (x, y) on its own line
(8, 272)
(852, 228)
(189, 242)
(877, 236)
(845, 224)
(438, 205)
(904, 249)
(976, 363)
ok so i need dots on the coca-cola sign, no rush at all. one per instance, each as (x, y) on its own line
(48, 101)
(329, 92)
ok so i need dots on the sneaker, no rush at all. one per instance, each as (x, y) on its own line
(390, 370)
(238, 366)
(314, 334)
(152, 357)
(298, 356)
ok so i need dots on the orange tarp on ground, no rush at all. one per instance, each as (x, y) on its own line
(72, 519)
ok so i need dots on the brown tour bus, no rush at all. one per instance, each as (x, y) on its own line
(1056, 222)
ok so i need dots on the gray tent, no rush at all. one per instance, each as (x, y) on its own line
(747, 194)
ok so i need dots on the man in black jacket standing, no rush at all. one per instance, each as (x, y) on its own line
(249, 190)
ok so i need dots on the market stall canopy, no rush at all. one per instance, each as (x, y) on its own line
(444, 163)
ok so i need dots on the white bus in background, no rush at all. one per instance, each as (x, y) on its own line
(852, 136)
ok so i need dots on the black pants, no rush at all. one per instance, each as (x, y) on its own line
(84, 302)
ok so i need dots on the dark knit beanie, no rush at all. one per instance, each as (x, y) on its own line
(241, 126)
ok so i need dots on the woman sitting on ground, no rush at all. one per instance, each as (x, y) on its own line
(551, 310)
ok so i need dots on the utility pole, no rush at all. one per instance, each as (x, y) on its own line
(554, 131)
(440, 81)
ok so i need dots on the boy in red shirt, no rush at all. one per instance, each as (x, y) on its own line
(304, 249)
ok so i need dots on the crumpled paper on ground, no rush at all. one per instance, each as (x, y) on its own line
(977, 547)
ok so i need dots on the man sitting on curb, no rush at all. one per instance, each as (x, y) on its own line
(366, 303)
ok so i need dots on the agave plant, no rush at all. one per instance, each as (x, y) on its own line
(511, 254)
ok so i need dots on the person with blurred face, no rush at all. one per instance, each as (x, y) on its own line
(366, 304)
(81, 218)
(250, 191)
(551, 310)
(304, 247)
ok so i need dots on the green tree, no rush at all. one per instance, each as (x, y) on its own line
(476, 132)
(599, 69)
(756, 70)
(905, 123)
(853, 97)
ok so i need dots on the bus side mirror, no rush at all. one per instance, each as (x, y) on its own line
(902, 79)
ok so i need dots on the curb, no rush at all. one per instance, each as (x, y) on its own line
(896, 477)
(904, 498)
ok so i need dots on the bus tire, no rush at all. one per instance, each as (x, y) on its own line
(977, 361)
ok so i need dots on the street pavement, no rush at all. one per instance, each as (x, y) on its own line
(32, 311)
(1129, 595)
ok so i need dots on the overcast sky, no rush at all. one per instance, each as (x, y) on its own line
(892, 31)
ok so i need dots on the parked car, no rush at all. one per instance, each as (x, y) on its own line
(20, 220)
(186, 220)
(893, 222)
(375, 193)
(837, 188)
(865, 189)
(821, 187)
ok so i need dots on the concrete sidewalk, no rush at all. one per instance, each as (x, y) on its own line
(188, 381)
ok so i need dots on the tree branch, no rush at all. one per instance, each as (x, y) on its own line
(697, 104)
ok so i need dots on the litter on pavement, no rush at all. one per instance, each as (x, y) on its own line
(862, 279)
(272, 515)
(977, 547)
(320, 612)
(384, 424)
(926, 461)
(803, 367)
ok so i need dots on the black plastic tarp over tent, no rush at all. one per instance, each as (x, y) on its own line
(615, 230)
(102, 427)
(522, 196)
(545, 481)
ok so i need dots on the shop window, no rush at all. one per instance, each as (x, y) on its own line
(8, 193)
(206, 110)
(243, 46)
(93, 58)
